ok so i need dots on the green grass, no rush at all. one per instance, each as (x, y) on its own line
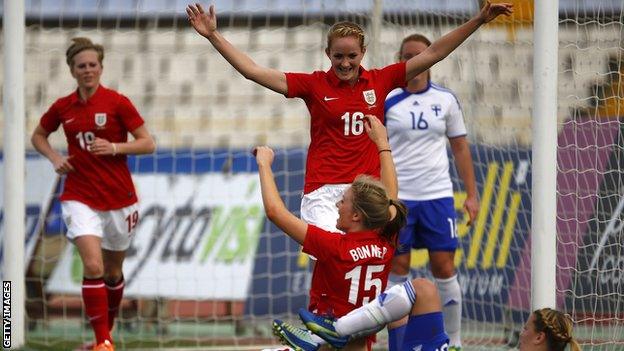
(60, 334)
(69, 334)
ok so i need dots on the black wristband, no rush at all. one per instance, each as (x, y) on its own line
(380, 151)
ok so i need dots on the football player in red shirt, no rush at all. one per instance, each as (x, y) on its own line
(99, 202)
(338, 100)
(355, 266)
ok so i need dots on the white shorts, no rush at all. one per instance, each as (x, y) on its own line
(115, 227)
(319, 207)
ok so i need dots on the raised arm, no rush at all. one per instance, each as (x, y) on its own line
(206, 25)
(377, 132)
(449, 42)
(274, 207)
(465, 168)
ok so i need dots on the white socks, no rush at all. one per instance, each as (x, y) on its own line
(397, 302)
(389, 306)
(451, 296)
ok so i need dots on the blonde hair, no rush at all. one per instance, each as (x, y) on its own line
(557, 327)
(371, 200)
(79, 45)
(346, 29)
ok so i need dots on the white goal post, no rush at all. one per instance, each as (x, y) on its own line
(544, 160)
(13, 178)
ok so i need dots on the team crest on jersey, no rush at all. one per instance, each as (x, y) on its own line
(369, 97)
(100, 119)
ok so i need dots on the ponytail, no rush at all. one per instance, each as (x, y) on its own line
(394, 225)
(371, 200)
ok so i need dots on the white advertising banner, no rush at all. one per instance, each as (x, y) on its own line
(196, 239)
(39, 189)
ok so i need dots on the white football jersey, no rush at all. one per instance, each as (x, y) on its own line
(418, 126)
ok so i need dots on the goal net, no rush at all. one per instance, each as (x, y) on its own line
(207, 270)
(590, 241)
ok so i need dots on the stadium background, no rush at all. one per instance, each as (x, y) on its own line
(206, 270)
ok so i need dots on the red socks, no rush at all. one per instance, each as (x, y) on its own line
(95, 300)
(115, 293)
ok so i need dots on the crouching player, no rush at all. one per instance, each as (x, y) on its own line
(546, 329)
(415, 304)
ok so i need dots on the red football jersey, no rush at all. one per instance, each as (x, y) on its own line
(339, 148)
(352, 269)
(101, 182)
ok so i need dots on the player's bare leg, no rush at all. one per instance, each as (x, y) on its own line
(442, 264)
(113, 261)
(443, 269)
(90, 251)
(401, 265)
(427, 298)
